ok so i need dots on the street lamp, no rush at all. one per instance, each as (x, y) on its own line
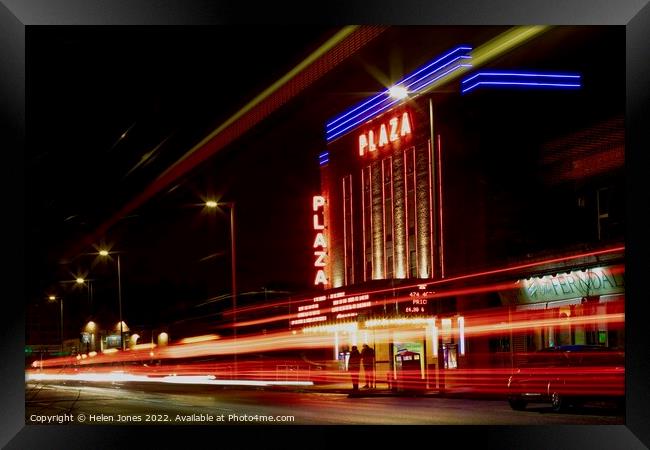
(231, 206)
(119, 294)
(88, 283)
(79, 280)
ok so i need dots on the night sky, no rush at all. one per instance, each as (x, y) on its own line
(166, 88)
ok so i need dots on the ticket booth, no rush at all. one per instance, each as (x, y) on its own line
(408, 371)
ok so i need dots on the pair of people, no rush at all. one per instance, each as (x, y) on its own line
(367, 358)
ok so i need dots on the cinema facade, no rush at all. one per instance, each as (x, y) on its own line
(463, 199)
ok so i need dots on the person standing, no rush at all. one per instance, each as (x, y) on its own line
(368, 361)
(354, 365)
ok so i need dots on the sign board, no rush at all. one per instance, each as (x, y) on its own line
(563, 286)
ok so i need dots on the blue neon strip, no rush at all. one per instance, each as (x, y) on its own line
(322, 163)
(323, 155)
(543, 80)
(377, 99)
(512, 83)
(519, 74)
(365, 118)
(385, 92)
(383, 106)
(380, 102)
(367, 111)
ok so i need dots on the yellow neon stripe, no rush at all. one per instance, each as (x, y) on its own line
(320, 51)
(504, 42)
(492, 49)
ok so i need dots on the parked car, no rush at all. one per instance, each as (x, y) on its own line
(568, 375)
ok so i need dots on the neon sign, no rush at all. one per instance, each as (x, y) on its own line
(320, 244)
(415, 83)
(393, 130)
(419, 301)
(520, 79)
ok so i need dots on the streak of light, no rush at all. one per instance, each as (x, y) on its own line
(122, 136)
(171, 379)
(147, 157)
(470, 276)
(321, 61)
(204, 338)
(485, 324)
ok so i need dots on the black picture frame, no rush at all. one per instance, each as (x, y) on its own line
(17, 15)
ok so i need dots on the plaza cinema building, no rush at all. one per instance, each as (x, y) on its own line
(472, 214)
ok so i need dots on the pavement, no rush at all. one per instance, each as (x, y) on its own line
(384, 390)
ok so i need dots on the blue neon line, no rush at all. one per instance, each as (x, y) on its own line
(329, 130)
(385, 92)
(520, 84)
(519, 74)
(367, 110)
(430, 64)
(331, 137)
(437, 78)
(323, 155)
(363, 104)
(322, 163)
(338, 133)
(433, 73)
(400, 82)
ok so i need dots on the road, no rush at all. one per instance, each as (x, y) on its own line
(145, 404)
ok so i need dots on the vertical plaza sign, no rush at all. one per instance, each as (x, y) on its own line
(320, 243)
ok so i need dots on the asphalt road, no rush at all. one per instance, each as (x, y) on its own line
(145, 404)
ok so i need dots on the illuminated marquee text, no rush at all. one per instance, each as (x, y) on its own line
(320, 243)
(391, 131)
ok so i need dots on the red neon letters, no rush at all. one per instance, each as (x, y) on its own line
(391, 131)
(320, 244)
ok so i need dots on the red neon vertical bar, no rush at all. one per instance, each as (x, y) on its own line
(345, 237)
(415, 219)
(406, 215)
(392, 214)
(431, 213)
(383, 212)
(442, 245)
(372, 231)
(351, 227)
(363, 222)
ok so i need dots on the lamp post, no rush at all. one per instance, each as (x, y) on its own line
(119, 295)
(53, 298)
(88, 283)
(79, 280)
(231, 207)
(119, 298)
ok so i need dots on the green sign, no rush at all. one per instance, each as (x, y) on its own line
(576, 284)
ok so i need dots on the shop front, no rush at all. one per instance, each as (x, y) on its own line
(399, 325)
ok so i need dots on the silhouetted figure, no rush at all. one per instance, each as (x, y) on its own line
(354, 365)
(368, 361)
